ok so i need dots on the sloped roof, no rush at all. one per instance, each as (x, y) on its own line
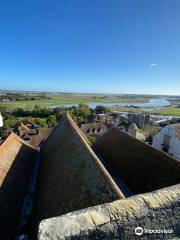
(17, 160)
(9, 151)
(24, 127)
(176, 127)
(38, 139)
(71, 176)
(141, 167)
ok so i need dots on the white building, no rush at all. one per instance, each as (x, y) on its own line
(168, 140)
(1, 120)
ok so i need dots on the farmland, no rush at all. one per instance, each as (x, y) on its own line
(62, 99)
(168, 111)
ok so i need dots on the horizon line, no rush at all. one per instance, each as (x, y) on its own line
(76, 92)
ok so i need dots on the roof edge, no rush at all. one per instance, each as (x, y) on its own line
(96, 159)
(138, 140)
(14, 136)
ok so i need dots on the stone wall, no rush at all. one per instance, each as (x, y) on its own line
(157, 210)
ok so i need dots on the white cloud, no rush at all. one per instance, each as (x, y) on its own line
(154, 64)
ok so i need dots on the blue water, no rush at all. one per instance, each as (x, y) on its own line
(159, 102)
(153, 103)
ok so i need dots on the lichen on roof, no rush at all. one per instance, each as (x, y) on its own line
(71, 175)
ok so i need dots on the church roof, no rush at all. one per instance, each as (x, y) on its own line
(71, 175)
(141, 167)
(17, 160)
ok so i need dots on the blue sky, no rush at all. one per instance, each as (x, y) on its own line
(115, 46)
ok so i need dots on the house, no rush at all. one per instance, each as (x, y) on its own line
(41, 135)
(141, 120)
(31, 133)
(168, 140)
(97, 128)
(22, 130)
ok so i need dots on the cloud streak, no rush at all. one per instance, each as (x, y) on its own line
(154, 64)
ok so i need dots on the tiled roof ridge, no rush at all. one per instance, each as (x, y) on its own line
(24, 126)
(12, 137)
(76, 127)
(94, 156)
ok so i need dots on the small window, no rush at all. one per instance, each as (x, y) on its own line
(99, 129)
(93, 130)
(88, 131)
(166, 141)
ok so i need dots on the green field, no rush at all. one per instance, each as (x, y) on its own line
(60, 99)
(125, 109)
(172, 111)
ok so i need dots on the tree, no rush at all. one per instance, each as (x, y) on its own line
(80, 113)
(92, 138)
(2, 109)
(83, 111)
(51, 120)
(2, 132)
(19, 112)
(100, 109)
(28, 120)
(37, 121)
(149, 131)
(59, 112)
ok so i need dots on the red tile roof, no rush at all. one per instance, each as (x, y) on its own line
(17, 159)
(38, 139)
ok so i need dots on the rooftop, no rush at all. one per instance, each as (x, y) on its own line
(71, 176)
(81, 191)
(137, 163)
(17, 159)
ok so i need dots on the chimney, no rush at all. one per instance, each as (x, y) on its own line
(37, 131)
(133, 130)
